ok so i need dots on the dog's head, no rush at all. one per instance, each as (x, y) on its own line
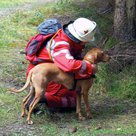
(96, 55)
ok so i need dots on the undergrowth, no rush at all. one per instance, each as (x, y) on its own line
(123, 85)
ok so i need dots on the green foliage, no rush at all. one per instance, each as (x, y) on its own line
(110, 43)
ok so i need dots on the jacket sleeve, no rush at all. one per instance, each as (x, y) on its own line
(65, 61)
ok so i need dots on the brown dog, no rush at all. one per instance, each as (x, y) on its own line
(42, 74)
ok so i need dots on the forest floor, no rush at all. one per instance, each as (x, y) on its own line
(111, 116)
(28, 6)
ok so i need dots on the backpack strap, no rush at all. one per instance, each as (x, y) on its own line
(51, 43)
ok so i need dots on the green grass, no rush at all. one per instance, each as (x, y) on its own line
(12, 3)
(107, 120)
(123, 86)
(17, 29)
(114, 116)
(8, 112)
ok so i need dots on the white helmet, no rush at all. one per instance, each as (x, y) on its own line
(83, 29)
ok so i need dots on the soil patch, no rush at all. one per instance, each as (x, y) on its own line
(4, 12)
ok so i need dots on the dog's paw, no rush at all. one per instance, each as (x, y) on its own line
(81, 118)
(89, 116)
(29, 122)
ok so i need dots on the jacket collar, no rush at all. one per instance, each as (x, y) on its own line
(66, 31)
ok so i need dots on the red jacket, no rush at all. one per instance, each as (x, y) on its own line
(64, 52)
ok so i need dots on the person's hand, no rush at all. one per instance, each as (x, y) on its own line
(95, 68)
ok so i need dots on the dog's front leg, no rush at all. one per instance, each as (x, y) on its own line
(78, 106)
(87, 109)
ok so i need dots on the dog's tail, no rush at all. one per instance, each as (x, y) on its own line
(26, 84)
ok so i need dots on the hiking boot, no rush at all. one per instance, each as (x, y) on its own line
(62, 109)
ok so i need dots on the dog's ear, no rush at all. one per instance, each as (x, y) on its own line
(90, 57)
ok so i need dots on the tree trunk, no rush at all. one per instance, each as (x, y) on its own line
(125, 20)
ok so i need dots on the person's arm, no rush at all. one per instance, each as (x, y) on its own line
(65, 61)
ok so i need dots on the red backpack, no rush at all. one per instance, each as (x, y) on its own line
(47, 29)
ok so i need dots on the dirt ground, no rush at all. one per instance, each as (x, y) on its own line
(8, 11)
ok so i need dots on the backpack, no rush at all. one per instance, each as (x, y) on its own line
(46, 29)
